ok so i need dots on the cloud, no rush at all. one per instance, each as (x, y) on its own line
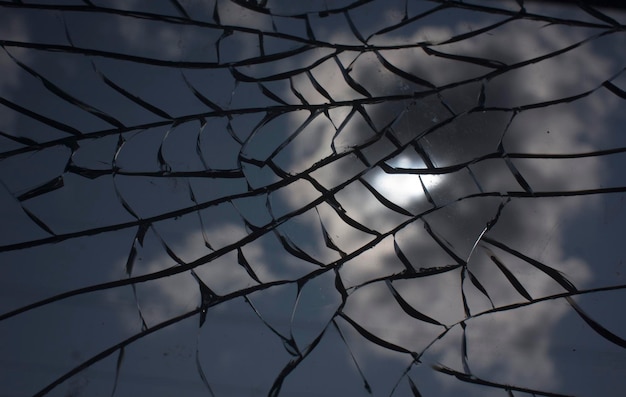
(510, 346)
(308, 221)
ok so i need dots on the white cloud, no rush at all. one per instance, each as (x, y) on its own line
(536, 229)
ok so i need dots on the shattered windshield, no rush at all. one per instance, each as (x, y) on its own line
(312, 198)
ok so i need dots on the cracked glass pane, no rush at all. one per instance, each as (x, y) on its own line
(321, 198)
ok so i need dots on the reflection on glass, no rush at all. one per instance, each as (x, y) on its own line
(382, 198)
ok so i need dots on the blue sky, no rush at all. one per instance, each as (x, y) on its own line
(276, 176)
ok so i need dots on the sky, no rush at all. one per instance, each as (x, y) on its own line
(381, 198)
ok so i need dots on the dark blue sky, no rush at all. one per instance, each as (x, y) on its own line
(350, 199)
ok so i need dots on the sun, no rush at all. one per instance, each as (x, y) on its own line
(404, 188)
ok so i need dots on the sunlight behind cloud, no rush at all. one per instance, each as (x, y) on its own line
(245, 200)
(405, 188)
(470, 136)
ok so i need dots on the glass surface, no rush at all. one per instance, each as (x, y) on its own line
(315, 198)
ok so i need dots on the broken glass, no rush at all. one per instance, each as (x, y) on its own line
(319, 198)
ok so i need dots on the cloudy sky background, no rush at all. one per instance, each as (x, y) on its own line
(543, 346)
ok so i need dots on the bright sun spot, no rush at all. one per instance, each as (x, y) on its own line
(404, 189)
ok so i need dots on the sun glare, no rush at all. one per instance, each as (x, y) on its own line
(403, 189)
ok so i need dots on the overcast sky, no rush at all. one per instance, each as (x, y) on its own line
(293, 200)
